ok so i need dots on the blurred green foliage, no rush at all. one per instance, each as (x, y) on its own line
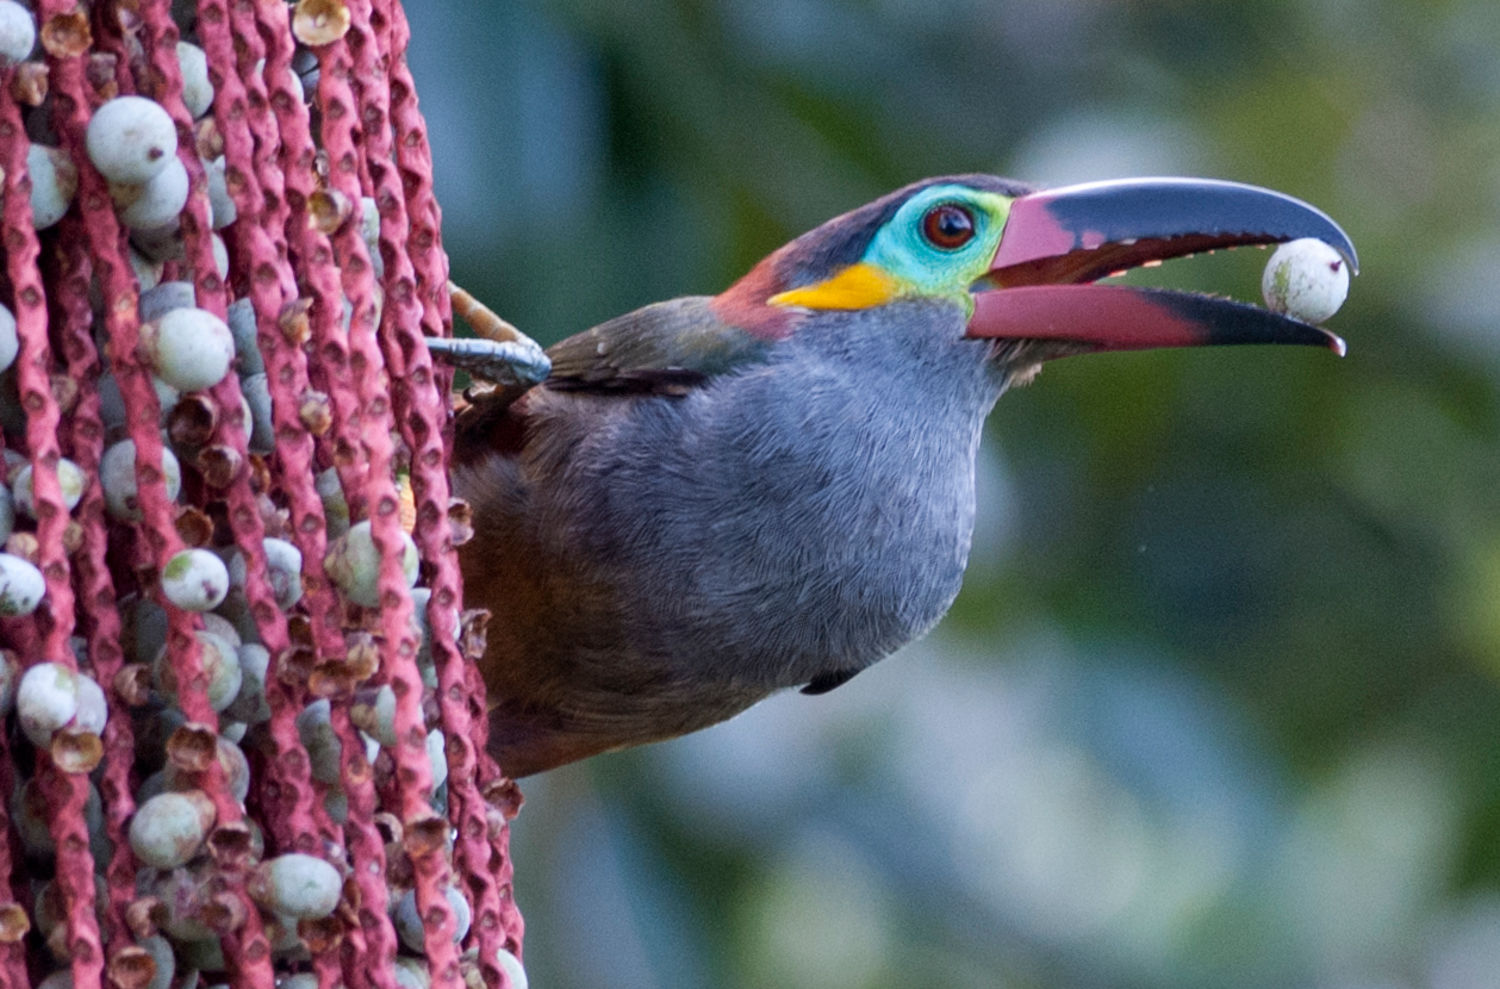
(1218, 705)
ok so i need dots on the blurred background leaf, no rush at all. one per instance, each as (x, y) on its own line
(1218, 704)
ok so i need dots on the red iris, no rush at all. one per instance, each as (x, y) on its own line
(948, 226)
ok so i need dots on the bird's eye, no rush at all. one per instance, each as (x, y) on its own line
(948, 226)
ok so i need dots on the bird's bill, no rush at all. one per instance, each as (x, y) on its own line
(1057, 242)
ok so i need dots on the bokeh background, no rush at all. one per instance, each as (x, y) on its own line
(1218, 705)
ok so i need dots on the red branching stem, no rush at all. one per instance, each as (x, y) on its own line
(301, 809)
(159, 38)
(254, 179)
(247, 951)
(122, 327)
(12, 955)
(158, 511)
(109, 38)
(271, 284)
(409, 234)
(414, 160)
(34, 382)
(157, 529)
(342, 131)
(65, 793)
(99, 614)
(376, 935)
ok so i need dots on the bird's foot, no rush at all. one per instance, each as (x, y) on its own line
(509, 364)
(501, 354)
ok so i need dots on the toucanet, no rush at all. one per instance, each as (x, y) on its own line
(717, 497)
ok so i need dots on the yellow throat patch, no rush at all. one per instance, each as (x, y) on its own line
(859, 286)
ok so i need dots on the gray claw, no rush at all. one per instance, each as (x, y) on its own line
(514, 363)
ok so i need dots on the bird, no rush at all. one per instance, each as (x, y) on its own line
(715, 498)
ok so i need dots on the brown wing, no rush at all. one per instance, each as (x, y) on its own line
(668, 348)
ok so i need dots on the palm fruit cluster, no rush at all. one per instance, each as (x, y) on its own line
(243, 736)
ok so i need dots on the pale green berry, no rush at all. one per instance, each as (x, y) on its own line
(162, 298)
(117, 477)
(51, 909)
(197, 89)
(17, 33)
(221, 254)
(164, 243)
(112, 403)
(295, 81)
(7, 513)
(54, 180)
(409, 925)
(21, 586)
(160, 950)
(324, 750)
(353, 563)
(31, 815)
(148, 627)
(421, 598)
(182, 892)
(1305, 279)
(220, 662)
(283, 570)
(411, 973)
(57, 980)
(71, 480)
(151, 786)
(515, 974)
(10, 679)
(221, 626)
(297, 885)
(250, 704)
(241, 320)
(220, 202)
(437, 755)
(369, 229)
(10, 341)
(256, 389)
(46, 700)
(336, 804)
(190, 349)
(168, 830)
(130, 139)
(383, 729)
(153, 203)
(92, 710)
(335, 507)
(195, 580)
(147, 272)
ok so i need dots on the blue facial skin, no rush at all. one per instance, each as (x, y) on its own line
(902, 248)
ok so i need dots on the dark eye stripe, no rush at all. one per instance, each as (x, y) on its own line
(948, 226)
